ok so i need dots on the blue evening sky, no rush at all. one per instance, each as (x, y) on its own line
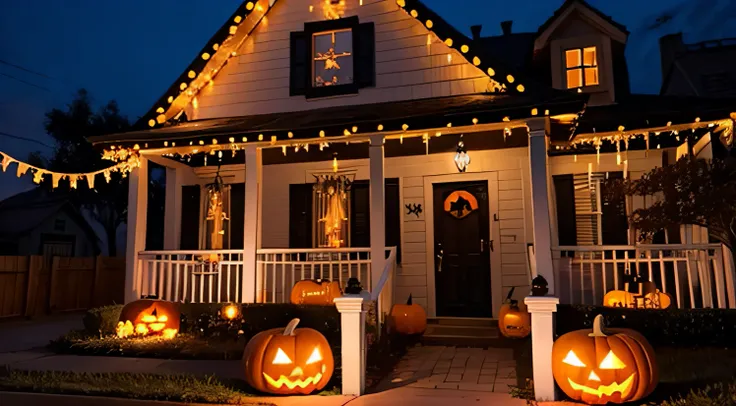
(132, 50)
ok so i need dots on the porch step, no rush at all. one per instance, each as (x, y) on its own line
(462, 332)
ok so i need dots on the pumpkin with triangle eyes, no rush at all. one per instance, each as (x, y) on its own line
(288, 360)
(615, 366)
(514, 320)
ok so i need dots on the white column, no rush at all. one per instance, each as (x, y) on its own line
(542, 309)
(172, 211)
(378, 212)
(136, 238)
(251, 238)
(540, 201)
(352, 328)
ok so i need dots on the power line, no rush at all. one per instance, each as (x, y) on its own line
(25, 69)
(18, 137)
(25, 82)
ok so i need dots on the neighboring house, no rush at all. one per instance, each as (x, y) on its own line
(39, 222)
(330, 130)
(703, 69)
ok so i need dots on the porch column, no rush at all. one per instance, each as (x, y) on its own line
(543, 337)
(172, 211)
(540, 201)
(251, 228)
(378, 222)
(352, 327)
(136, 237)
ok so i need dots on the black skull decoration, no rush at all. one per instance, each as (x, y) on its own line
(539, 286)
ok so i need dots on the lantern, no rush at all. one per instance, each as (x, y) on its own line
(514, 320)
(599, 367)
(618, 298)
(462, 159)
(149, 317)
(230, 311)
(315, 292)
(408, 318)
(288, 361)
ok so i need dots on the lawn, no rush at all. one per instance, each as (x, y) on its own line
(177, 388)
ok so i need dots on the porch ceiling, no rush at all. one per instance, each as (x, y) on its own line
(347, 120)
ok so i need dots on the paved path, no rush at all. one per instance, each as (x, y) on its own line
(469, 369)
(19, 335)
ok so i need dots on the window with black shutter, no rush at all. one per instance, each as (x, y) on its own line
(584, 215)
(331, 58)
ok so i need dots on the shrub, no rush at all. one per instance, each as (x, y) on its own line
(102, 320)
(717, 395)
(672, 327)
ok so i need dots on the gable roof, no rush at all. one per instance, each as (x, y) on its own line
(227, 40)
(549, 25)
(25, 211)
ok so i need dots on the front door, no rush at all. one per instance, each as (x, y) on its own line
(462, 263)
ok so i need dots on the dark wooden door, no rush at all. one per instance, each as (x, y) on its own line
(462, 259)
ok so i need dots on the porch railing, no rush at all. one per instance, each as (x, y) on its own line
(383, 294)
(212, 276)
(695, 276)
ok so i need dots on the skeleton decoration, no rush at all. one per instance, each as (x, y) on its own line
(331, 191)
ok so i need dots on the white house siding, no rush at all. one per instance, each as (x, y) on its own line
(257, 80)
(509, 166)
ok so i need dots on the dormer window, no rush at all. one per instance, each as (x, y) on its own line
(582, 67)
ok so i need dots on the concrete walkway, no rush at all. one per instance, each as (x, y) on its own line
(20, 335)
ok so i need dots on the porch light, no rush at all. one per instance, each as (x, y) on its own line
(462, 159)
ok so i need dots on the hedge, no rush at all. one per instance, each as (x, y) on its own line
(674, 327)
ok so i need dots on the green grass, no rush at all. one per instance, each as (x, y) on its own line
(183, 346)
(706, 364)
(177, 388)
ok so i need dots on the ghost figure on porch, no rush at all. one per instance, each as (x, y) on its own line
(215, 212)
(334, 217)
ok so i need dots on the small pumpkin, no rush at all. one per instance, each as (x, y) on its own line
(599, 367)
(409, 318)
(659, 299)
(148, 317)
(514, 320)
(618, 298)
(308, 292)
(288, 361)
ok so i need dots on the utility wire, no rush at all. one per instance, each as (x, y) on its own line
(18, 137)
(25, 82)
(25, 69)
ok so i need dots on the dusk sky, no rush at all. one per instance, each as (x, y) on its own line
(132, 50)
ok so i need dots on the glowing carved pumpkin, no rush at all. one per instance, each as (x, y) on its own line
(599, 367)
(315, 293)
(618, 298)
(408, 318)
(514, 320)
(659, 300)
(149, 317)
(288, 361)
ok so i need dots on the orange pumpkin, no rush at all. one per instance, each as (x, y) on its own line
(618, 298)
(309, 292)
(149, 317)
(598, 367)
(408, 318)
(288, 361)
(659, 299)
(514, 320)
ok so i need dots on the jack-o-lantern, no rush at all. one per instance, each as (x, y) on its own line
(659, 299)
(615, 366)
(514, 320)
(408, 318)
(618, 298)
(149, 317)
(288, 361)
(309, 292)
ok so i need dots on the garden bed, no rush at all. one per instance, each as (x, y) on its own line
(177, 388)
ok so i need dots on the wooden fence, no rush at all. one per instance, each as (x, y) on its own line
(30, 287)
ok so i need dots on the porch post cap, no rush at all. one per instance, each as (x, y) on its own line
(349, 303)
(541, 304)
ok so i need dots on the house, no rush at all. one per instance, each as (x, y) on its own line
(332, 138)
(42, 222)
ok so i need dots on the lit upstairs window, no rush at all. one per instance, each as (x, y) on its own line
(332, 54)
(581, 67)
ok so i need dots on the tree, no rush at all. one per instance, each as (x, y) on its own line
(107, 203)
(692, 191)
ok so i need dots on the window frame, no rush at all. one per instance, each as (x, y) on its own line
(582, 67)
(342, 24)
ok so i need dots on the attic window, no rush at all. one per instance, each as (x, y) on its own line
(332, 54)
(581, 67)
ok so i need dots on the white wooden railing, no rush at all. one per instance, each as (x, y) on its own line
(383, 294)
(192, 275)
(695, 276)
(213, 276)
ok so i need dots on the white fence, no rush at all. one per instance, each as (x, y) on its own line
(213, 276)
(695, 276)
